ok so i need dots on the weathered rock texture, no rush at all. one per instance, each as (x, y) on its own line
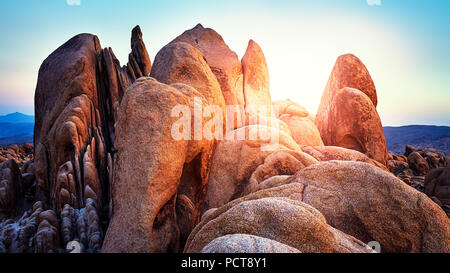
(20, 154)
(300, 122)
(276, 214)
(424, 170)
(78, 89)
(10, 189)
(183, 63)
(373, 205)
(437, 185)
(349, 71)
(328, 153)
(124, 162)
(156, 202)
(347, 115)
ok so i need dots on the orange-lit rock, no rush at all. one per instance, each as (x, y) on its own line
(352, 122)
(256, 81)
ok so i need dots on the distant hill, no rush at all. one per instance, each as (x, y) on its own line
(19, 140)
(419, 136)
(17, 118)
(16, 128)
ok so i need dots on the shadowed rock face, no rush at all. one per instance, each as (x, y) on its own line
(10, 189)
(437, 184)
(139, 52)
(79, 86)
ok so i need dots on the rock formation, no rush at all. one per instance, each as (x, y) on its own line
(133, 159)
(20, 154)
(350, 120)
(437, 186)
(224, 63)
(79, 87)
(244, 243)
(347, 115)
(170, 177)
(348, 71)
(183, 63)
(424, 170)
(235, 160)
(256, 82)
(276, 214)
(373, 205)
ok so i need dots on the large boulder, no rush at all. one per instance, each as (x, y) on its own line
(276, 214)
(157, 202)
(223, 61)
(182, 63)
(351, 121)
(437, 184)
(373, 205)
(418, 164)
(300, 122)
(256, 82)
(244, 243)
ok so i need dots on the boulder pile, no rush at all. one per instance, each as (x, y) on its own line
(426, 170)
(190, 154)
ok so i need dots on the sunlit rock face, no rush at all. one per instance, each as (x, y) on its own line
(347, 115)
(299, 121)
(256, 82)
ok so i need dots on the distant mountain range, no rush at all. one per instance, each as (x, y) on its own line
(419, 136)
(16, 128)
(17, 118)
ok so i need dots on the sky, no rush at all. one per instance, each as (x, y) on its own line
(405, 44)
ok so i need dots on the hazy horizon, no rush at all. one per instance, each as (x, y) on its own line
(404, 44)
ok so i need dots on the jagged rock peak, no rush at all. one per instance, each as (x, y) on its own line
(199, 26)
(139, 51)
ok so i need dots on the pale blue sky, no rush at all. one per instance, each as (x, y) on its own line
(405, 44)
